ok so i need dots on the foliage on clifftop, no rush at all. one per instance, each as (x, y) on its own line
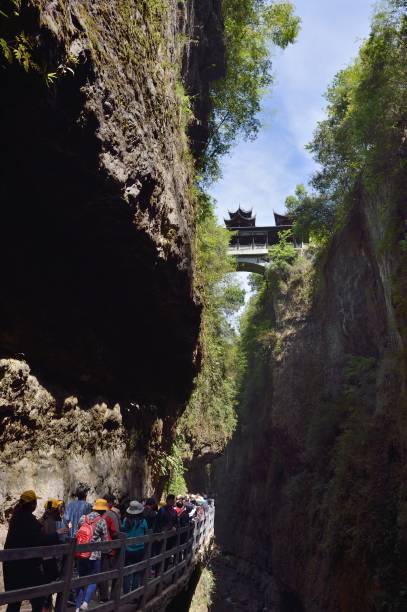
(251, 27)
(361, 145)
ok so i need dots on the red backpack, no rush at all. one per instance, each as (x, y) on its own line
(84, 535)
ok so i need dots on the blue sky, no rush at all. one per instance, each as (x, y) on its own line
(262, 173)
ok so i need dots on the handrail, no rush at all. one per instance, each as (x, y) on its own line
(172, 566)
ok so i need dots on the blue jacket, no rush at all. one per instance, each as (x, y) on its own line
(73, 513)
(138, 528)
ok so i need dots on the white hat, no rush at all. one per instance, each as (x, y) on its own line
(135, 508)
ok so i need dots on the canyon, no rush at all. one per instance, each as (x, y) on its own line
(104, 119)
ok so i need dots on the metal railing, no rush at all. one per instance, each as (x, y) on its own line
(164, 569)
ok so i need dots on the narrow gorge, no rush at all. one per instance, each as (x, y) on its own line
(130, 359)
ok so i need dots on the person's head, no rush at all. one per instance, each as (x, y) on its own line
(100, 506)
(135, 510)
(110, 500)
(150, 505)
(28, 501)
(179, 504)
(170, 501)
(82, 491)
(53, 507)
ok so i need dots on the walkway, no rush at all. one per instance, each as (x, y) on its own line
(162, 576)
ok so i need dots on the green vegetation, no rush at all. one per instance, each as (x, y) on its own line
(210, 416)
(15, 44)
(283, 253)
(313, 215)
(202, 598)
(173, 468)
(359, 146)
(19, 47)
(250, 27)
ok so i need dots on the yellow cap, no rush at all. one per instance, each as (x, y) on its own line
(28, 496)
(100, 504)
(55, 503)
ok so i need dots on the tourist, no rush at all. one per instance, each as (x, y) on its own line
(52, 525)
(53, 521)
(167, 517)
(167, 520)
(108, 557)
(183, 521)
(112, 515)
(192, 508)
(25, 531)
(76, 509)
(134, 525)
(62, 523)
(179, 507)
(90, 563)
(183, 515)
(200, 510)
(150, 512)
(117, 512)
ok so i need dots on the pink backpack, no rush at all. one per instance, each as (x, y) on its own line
(84, 536)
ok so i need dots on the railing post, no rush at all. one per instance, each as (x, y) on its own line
(66, 576)
(191, 543)
(177, 555)
(162, 567)
(147, 571)
(117, 588)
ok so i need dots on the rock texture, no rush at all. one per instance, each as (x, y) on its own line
(55, 446)
(318, 460)
(99, 317)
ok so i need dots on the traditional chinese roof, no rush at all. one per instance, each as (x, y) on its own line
(241, 218)
(282, 219)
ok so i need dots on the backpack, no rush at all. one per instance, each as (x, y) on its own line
(84, 536)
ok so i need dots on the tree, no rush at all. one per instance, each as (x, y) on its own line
(312, 213)
(250, 27)
(361, 144)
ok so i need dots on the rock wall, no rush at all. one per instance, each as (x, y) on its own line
(313, 482)
(99, 316)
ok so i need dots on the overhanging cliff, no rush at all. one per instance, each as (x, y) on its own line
(98, 224)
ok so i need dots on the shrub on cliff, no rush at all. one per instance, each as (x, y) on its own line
(210, 419)
(250, 27)
(361, 145)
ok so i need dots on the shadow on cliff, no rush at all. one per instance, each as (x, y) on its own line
(86, 298)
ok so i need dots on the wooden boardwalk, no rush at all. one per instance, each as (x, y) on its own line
(162, 576)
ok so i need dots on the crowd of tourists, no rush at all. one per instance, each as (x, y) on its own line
(90, 523)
